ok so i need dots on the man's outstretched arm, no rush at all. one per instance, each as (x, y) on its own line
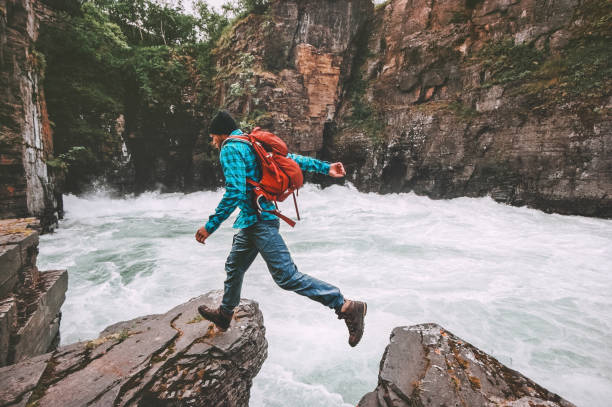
(234, 171)
(310, 164)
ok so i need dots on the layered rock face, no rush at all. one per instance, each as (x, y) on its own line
(443, 98)
(284, 70)
(30, 300)
(27, 188)
(460, 107)
(174, 359)
(425, 365)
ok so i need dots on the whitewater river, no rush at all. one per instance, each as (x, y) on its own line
(532, 289)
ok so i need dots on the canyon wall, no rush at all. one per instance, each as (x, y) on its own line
(27, 185)
(484, 100)
(502, 98)
(505, 98)
(284, 70)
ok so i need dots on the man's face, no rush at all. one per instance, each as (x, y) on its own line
(217, 140)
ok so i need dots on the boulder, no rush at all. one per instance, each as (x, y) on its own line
(172, 359)
(425, 365)
(30, 300)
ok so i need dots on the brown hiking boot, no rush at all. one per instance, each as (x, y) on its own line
(219, 317)
(353, 317)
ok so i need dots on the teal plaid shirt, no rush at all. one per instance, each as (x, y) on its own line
(239, 162)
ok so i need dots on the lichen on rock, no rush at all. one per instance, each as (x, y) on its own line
(426, 365)
(170, 359)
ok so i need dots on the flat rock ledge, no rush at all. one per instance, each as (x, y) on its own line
(174, 359)
(425, 365)
(30, 300)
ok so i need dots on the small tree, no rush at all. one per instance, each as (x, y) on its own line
(241, 8)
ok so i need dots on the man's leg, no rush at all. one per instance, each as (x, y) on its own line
(240, 258)
(285, 273)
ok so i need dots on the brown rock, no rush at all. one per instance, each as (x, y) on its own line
(440, 128)
(30, 300)
(425, 365)
(298, 60)
(41, 329)
(8, 321)
(10, 263)
(27, 186)
(174, 359)
(17, 382)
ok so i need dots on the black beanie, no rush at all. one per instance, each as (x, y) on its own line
(222, 123)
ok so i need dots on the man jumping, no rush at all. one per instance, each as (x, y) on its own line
(259, 233)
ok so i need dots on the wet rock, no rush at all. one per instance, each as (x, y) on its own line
(40, 332)
(18, 381)
(8, 319)
(425, 365)
(30, 300)
(173, 359)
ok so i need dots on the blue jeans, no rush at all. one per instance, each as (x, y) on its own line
(263, 237)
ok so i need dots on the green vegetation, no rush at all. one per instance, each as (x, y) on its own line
(37, 63)
(583, 70)
(83, 85)
(132, 67)
(580, 72)
(459, 17)
(462, 111)
(118, 336)
(244, 84)
(509, 62)
(64, 160)
(364, 115)
(471, 4)
(242, 8)
(253, 119)
(196, 319)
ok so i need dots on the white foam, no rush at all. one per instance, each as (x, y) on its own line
(532, 289)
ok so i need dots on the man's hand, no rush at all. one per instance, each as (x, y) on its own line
(336, 170)
(202, 234)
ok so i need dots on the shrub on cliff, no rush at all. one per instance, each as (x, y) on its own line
(130, 68)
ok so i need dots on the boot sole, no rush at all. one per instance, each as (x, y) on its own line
(365, 311)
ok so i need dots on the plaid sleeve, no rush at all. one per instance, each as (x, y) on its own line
(234, 170)
(310, 164)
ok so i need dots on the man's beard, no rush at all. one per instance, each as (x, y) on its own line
(217, 142)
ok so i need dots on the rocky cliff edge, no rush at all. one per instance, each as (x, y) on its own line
(173, 359)
(425, 365)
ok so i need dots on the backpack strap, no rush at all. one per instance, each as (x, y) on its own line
(255, 185)
(276, 212)
(243, 139)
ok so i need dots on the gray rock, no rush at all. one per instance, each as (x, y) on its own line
(425, 365)
(444, 126)
(10, 263)
(30, 301)
(174, 359)
(8, 318)
(17, 382)
(40, 330)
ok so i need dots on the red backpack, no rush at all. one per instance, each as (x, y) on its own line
(280, 175)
